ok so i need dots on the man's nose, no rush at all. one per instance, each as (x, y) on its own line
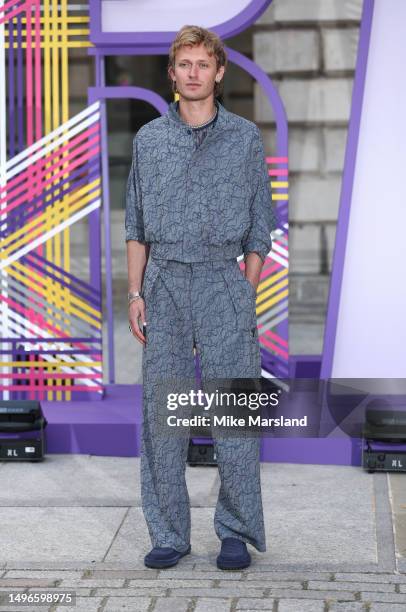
(193, 71)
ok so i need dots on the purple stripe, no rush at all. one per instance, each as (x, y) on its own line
(22, 216)
(20, 80)
(51, 264)
(346, 191)
(11, 92)
(85, 296)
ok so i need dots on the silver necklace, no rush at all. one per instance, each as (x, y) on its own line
(203, 124)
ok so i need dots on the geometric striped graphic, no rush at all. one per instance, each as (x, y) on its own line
(50, 320)
(273, 288)
(50, 186)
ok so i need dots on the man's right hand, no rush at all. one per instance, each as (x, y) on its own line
(136, 313)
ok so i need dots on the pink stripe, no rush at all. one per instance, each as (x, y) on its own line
(268, 271)
(35, 388)
(276, 160)
(50, 156)
(42, 375)
(38, 83)
(78, 162)
(278, 172)
(28, 77)
(7, 17)
(277, 338)
(273, 347)
(40, 322)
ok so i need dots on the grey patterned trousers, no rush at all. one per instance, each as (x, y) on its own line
(210, 305)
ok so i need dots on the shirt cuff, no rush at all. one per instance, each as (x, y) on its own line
(132, 232)
(259, 247)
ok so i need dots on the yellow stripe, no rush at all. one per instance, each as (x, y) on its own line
(61, 32)
(36, 283)
(70, 19)
(56, 217)
(279, 184)
(270, 280)
(64, 32)
(71, 45)
(271, 302)
(272, 290)
(280, 196)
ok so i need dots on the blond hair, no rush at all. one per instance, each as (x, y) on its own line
(194, 36)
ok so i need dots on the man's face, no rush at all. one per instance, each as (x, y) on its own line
(195, 72)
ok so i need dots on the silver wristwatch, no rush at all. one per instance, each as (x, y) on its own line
(133, 295)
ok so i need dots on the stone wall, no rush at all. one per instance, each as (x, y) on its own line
(309, 47)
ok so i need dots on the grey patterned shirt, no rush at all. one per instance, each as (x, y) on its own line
(200, 203)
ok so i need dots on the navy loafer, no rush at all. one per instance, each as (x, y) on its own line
(161, 557)
(233, 555)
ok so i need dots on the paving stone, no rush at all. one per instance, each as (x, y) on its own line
(211, 605)
(254, 604)
(92, 582)
(172, 583)
(355, 586)
(85, 604)
(126, 592)
(135, 604)
(25, 582)
(294, 605)
(149, 574)
(242, 590)
(345, 606)
(264, 583)
(377, 607)
(43, 574)
(298, 576)
(200, 575)
(394, 578)
(383, 597)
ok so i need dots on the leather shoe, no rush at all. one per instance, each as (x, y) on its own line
(161, 557)
(233, 555)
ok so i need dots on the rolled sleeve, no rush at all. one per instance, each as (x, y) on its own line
(134, 221)
(262, 215)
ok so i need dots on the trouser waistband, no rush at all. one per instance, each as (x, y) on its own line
(201, 253)
(195, 267)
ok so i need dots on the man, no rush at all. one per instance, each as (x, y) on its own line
(198, 196)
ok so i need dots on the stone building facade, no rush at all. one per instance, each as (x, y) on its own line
(308, 48)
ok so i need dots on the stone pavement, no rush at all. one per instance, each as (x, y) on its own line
(336, 540)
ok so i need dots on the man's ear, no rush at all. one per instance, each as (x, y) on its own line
(220, 73)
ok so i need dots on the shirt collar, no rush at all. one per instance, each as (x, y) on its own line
(175, 118)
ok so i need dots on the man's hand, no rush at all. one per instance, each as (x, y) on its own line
(136, 313)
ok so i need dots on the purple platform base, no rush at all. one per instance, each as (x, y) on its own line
(112, 427)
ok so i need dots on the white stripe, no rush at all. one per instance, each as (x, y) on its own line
(4, 310)
(21, 326)
(277, 258)
(53, 145)
(38, 144)
(44, 237)
(279, 249)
